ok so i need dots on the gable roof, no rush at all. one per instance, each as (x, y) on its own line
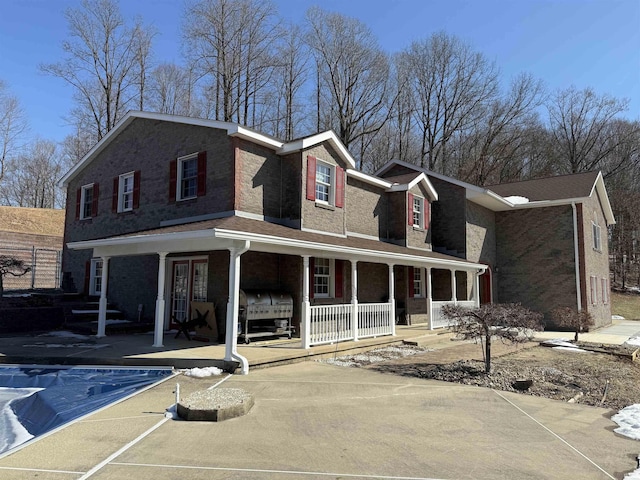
(543, 192)
(33, 221)
(233, 130)
(578, 185)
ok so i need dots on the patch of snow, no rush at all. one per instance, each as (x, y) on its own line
(66, 345)
(517, 199)
(201, 372)
(558, 342)
(115, 322)
(628, 420)
(570, 349)
(65, 334)
(375, 356)
(633, 342)
(635, 475)
(617, 317)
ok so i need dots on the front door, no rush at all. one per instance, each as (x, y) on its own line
(188, 283)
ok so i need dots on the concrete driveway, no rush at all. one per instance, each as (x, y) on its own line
(317, 421)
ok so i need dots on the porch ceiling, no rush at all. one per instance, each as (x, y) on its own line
(229, 232)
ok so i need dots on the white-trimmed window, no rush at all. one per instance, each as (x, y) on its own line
(324, 183)
(87, 201)
(594, 289)
(597, 239)
(605, 291)
(187, 186)
(125, 192)
(95, 279)
(418, 282)
(418, 212)
(322, 276)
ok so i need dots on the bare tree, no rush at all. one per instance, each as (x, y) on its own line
(450, 84)
(11, 266)
(230, 47)
(105, 62)
(171, 90)
(32, 179)
(509, 322)
(353, 74)
(577, 321)
(580, 122)
(13, 126)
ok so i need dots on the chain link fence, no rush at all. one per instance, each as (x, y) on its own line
(46, 266)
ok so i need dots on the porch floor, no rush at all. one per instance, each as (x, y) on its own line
(137, 349)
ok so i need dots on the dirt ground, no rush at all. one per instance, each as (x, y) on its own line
(592, 378)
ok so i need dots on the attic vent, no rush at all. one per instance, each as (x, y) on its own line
(517, 200)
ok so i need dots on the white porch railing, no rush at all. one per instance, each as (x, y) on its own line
(374, 320)
(333, 323)
(438, 320)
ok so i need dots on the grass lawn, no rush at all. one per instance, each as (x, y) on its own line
(626, 305)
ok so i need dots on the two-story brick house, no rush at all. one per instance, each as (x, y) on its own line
(167, 210)
(544, 241)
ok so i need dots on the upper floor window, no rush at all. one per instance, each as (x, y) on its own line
(418, 209)
(87, 201)
(325, 182)
(126, 192)
(324, 190)
(188, 177)
(597, 240)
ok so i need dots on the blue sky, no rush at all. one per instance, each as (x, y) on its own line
(586, 43)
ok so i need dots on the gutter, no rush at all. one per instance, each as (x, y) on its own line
(576, 255)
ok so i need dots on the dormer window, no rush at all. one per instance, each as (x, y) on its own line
(325, 183)
(418, 208)
(418, 212)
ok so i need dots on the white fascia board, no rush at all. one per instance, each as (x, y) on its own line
(308, 142)
(346, 252)
(255, 137)
(135, 239)
(601, 188)
(387, 166)
(378, 182)
(403, 187)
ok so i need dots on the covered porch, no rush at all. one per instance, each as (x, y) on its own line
(323, 321)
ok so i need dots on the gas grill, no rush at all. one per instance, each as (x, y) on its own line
(264, 314)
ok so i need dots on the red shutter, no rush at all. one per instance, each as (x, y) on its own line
(87, 276)
(411, 279)
(202, 173)
(339, 277)
(312, 266)
(311, 178)
(173, 179)
(410, 208)
(114, 195)
(136, 189)
(427, 213)
(78, 197)
(94, 204)
(339, 187)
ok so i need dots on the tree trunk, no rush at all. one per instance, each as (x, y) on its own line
(487, 359)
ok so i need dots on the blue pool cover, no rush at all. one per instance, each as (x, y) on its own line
(37, 399)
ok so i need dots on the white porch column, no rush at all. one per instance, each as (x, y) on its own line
(159, 320)
(231, 335)
(429, 297)
(354, 299)
(454, 293)
(392, 299)
(305, 320)
(102, 304)
(476, 288)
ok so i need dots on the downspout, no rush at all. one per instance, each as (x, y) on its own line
(231, 338)
(576, 255)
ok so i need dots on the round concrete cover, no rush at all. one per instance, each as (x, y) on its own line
(215, 405)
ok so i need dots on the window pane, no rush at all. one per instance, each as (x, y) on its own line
(189, 178)
(87, 202)
(199, 282)
(321, 277)
(127, 193)
(323, 182)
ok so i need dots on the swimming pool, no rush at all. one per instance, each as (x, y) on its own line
(37, 399)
